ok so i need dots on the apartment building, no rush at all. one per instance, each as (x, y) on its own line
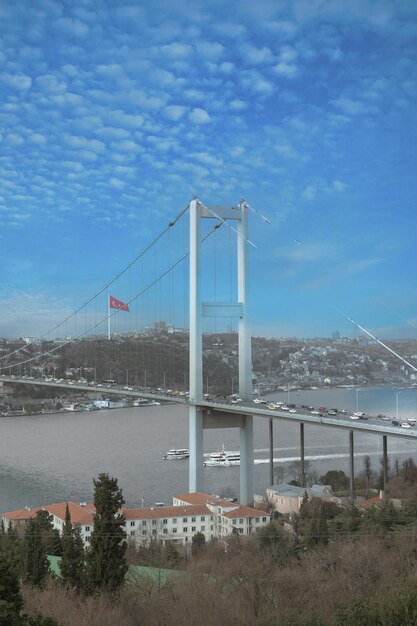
(190, 513)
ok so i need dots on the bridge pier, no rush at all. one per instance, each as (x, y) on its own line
(385, 462)
(198, 420)
(302, 464)
(271, 451)
(196, 449)
(352, 467)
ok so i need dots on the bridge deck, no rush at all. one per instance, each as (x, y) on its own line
(372, 426)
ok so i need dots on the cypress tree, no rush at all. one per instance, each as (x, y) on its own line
(106, 559)
(36, 564)
(11, 601)
(72, 561)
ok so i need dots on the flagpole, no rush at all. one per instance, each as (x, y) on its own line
(108, 316)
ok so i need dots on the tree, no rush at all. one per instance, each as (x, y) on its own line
(35, 562)
(11, 601)
(277, 542)
(337, 479)
(199, 542)
(367, 469)
(72, 561)
(106, 559)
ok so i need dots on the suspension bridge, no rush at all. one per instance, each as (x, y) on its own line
(190, 280)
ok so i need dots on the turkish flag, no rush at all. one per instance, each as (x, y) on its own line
(118, 304)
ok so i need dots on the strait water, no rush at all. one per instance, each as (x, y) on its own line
(53, 458)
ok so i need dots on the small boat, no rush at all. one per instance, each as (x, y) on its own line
(178, 453)
(222, 458)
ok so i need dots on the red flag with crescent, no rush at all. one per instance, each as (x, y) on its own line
(118, 304)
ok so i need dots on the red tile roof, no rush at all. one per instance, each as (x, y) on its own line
(245, 511)
(80, 514)
(160, 512)
(370, 501)
(22, 514)
(197, 497)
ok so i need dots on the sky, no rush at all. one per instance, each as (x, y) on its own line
(114, 115)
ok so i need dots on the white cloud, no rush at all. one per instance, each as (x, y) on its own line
(238, 105)
(210, 50)
(199, 116)
(309, 192)
(286, 69)
(72, 26)
(255, 81)
(226, 67)
(177, 50)
(339, 186)
(116, 182)
(21, 82)
(83, 143)
(37, 138)
(256, 55)
(174, 112)
(50, 84)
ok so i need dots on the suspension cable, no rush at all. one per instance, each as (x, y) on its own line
(106, 286)
(112, 314)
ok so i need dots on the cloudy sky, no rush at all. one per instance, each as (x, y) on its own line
(114, 115)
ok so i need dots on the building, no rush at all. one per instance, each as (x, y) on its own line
(286, 498)
(191, 513)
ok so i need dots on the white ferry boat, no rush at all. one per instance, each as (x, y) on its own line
(222, 458)
(179, 453)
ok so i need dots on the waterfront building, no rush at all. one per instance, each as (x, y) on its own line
(286, 498)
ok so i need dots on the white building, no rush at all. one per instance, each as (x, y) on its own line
(191, 513)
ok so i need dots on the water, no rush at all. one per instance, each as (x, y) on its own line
(53, 458)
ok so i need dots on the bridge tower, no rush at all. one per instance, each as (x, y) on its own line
(202, 417)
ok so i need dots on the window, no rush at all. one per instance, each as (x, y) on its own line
(174, 520)
(165, 531)
(241, 531)
(132, 533)
(154, 531)
(185, 519)
(154, 522)
(257, 519)
(203, 528)
(185, 529)
(211, 527)
(132, 523)
(87, 540)
(233, 522)
(87, 528)
(241, 520)
(203, 518)
(264, 519)
(144, 522)
(193, 519)
(193, 529)
(165, 521)
(174, 530)
(143, 532)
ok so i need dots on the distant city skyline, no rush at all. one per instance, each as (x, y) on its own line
(114, 116)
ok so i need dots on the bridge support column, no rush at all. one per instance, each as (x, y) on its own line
(196, 449)
(271, 451)
(302, 464)
(385, 462)
(196, 355)
(352, 467)
(246, 461)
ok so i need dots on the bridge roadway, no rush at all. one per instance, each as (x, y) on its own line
(221, 410)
